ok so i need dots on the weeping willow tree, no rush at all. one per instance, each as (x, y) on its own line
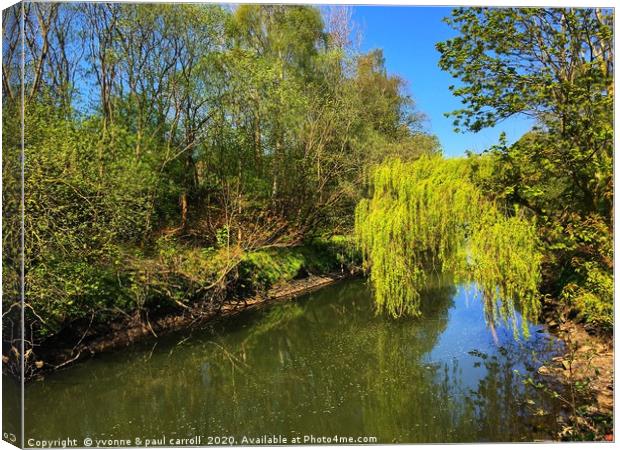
(427, 216)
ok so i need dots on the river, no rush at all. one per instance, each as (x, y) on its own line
(322, 365)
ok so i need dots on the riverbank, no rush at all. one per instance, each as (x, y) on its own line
(134, 329)
(175, 287)
(585, 376)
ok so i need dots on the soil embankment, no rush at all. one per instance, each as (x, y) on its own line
(586, 374)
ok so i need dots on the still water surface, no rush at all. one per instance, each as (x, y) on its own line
(321, 365)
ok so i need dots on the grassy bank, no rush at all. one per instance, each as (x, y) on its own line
(173, 279)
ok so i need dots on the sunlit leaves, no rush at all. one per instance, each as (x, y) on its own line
(427, 215)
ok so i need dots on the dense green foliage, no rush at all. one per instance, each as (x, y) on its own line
(183, 154)
(262, 269)
(556, 66)
(428, 216)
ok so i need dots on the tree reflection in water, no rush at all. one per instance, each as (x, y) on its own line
(325, 364)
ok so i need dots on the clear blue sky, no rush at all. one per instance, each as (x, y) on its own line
(407, 35)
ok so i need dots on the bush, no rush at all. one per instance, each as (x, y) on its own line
(586, 256)
(61, 292)
(260, 270)
(593, 299)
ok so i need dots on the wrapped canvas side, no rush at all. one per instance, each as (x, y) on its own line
(13, 343)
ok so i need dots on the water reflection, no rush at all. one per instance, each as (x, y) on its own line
(322, 365)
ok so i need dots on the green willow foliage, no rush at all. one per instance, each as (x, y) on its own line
(555, 65)
(428, 216)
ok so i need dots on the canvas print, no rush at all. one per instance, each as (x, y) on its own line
(293, 224)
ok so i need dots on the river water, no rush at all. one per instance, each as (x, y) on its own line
(323, 365)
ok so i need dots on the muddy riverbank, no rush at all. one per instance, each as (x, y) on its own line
(585, 376)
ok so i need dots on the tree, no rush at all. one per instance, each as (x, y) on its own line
(555, 65)
(427, 216)
(388, 109)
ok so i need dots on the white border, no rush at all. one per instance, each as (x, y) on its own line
(531, 3)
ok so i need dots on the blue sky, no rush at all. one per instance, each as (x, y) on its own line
(407, 35)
